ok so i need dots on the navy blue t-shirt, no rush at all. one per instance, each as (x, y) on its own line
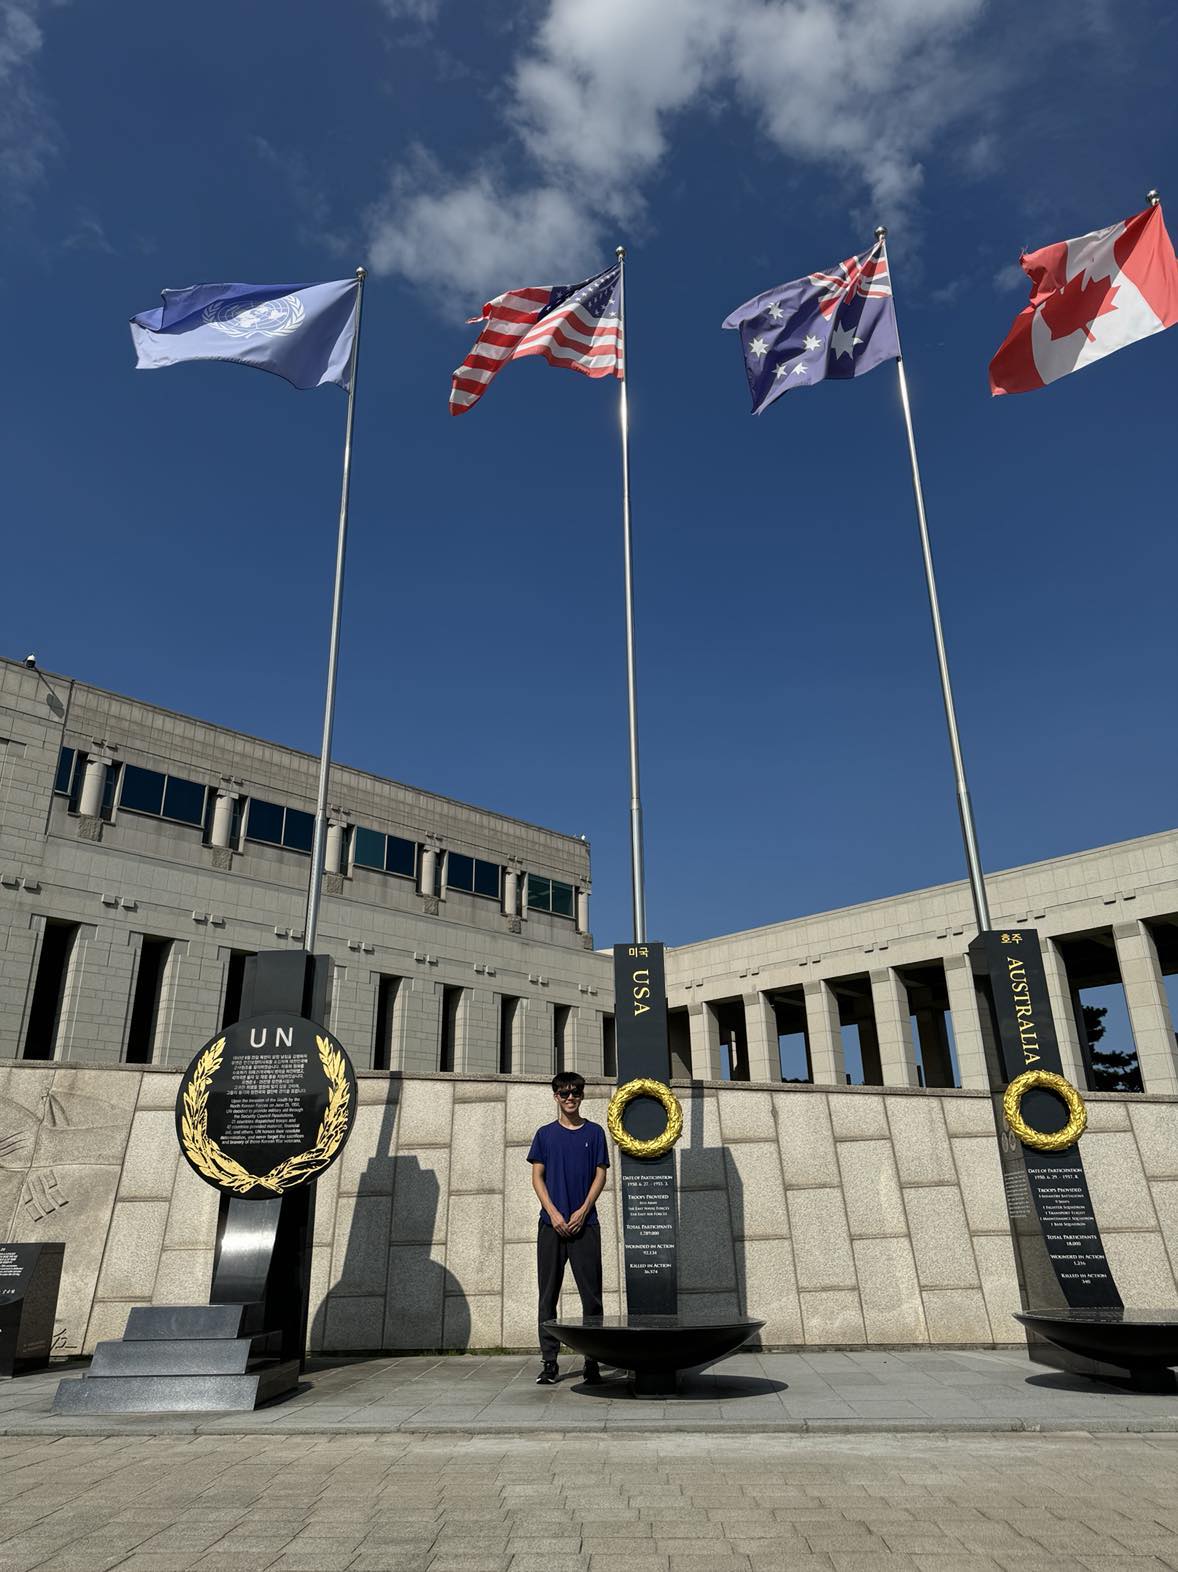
(571, 1159)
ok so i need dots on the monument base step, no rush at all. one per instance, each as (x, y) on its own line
(183, 1356)
(180, 1322)
(177, 1394)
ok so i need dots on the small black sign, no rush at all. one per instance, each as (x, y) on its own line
(30, 1275)
(266, 1105)
(649, 1235)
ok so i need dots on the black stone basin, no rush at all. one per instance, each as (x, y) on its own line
(1143, 1342)
(656, 1347)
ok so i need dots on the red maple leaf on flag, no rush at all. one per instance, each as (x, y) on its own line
(1077, 305)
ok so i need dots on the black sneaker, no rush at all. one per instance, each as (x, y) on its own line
(549, 1373)
(591, 1375)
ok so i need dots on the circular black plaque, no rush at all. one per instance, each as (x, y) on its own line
(266, 1105)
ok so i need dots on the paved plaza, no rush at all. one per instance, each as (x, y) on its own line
(588, 1503)
(950, 1461)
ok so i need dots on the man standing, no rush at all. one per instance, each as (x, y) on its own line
(569, 1162)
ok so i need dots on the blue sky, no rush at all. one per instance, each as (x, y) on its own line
(170, 535)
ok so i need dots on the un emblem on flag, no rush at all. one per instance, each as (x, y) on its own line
(270, 318)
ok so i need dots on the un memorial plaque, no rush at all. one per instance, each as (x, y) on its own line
(266, 1106)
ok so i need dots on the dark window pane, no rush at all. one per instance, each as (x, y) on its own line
(143, 790)
(264, 822)
(184, 800)
(368, 848)
(562, 899)
(459, 872)
(300, 830)
(539, 893)
(65, 770)
(110, 783)
(401, 856)
(486, 879)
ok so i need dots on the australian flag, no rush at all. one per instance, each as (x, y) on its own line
(836, 324)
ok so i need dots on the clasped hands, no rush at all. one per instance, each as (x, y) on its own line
(568, 1228)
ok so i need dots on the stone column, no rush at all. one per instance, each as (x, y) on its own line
(1149, 1011)
(705, 1041)
(967, 1024)
(223, 818)
(889, 999)
(510, 891)
(429, 870)
(93, 781)
(1059, 991)
(583, 909)
(824, 1036)
(523, 893)
(333, 855)
(760, 1035)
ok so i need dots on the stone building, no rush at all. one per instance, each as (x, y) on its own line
(838, 1173)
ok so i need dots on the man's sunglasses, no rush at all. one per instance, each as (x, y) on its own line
(568, 1091)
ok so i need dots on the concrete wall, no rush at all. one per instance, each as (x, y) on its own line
(853, 1217)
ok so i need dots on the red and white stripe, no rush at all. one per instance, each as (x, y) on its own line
(517, 325)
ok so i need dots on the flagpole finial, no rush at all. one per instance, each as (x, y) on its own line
(620, 253)
(1153, 198)
(881, 232)
(361, 274)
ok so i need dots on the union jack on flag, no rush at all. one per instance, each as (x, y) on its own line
(573, 325)
(861, 275)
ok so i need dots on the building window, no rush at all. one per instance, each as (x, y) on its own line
(473, 875)
(550, 895)
(143, 1031)
(388, 1010)
(273, 825)
(234, 983)
(162, 796)
(448, 1045)
(53, 965)
(561, 1044)
(63, 783)
(509, 1025)
(384, 853)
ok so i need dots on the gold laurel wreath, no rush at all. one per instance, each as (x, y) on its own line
(630, 1144)
(226, 1172)
(1057, 1140)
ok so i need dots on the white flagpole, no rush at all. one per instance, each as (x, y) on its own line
(977, 883)
(315, 881)
(637, 872)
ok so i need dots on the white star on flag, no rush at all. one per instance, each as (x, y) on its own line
(812, 342)
(799, 370)
(758, 347)
(843, 341)
(775, 312)
(780, 371)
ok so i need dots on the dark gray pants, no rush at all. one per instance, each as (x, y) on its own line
(583, 1254)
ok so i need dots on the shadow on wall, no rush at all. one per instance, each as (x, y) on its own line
(711, 1221)
(392, 1292)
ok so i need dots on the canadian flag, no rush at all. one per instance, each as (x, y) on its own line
(1089, 296)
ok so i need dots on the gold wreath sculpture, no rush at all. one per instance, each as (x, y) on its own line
(622, 1099)
(1057, 1140)
(208, 1158)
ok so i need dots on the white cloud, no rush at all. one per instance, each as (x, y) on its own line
(28, 131)
(862, 87)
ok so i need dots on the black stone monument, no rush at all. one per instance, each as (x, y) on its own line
(653, 1339)
(263, 1109)
(30, 1275)
(1069, 1294)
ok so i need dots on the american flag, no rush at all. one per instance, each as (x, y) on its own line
(866, 274)
(573, 325)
